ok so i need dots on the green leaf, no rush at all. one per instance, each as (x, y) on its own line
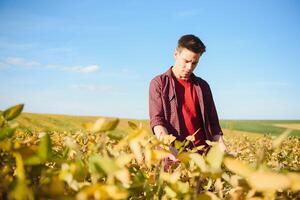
(6, 132)
(116, 134)
(13, 112)
(105, 164)
(44, 150)
(132, 125)
(33, 160)
(6, 145)
(178, 144)
(20, 190)
(139, 176)
(2, 121)
(215, 157)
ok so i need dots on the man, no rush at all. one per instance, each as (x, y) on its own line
(181, 103)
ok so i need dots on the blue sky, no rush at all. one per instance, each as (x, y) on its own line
(98, 57)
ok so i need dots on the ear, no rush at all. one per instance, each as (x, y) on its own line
(176, 52)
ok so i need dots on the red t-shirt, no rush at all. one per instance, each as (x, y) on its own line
(189, 110)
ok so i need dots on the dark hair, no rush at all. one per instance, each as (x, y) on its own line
(192, 43)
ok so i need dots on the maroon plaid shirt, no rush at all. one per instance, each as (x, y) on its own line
(163, 106)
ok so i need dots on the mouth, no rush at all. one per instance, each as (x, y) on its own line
(186, 73)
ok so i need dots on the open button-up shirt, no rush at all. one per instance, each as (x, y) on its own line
(163, 106)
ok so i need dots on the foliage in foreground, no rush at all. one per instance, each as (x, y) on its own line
(103, 162)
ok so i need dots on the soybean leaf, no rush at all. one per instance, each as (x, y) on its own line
(215, 157)
(105, 164)
(178, 144)
(6, 132)
(207, 196)
(33, 160)
(13, 112)
(277, 142)
(295, 180)
(132, 125)
(44, 150)
(268, 181)
(116, 134)
(238, 167)
(102, 125)
(199, 161)
(2, 121)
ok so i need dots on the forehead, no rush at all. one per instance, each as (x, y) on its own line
(188, 55)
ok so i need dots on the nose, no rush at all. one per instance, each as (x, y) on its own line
(189, 66)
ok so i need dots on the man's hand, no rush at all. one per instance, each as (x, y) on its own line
(219, 138)
(160, 131)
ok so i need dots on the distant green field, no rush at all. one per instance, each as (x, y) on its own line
(260, 126)
(48, 122)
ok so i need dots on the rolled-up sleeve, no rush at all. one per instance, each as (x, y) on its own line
(213, 116)
(156, 111)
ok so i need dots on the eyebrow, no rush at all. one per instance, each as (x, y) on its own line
(191, 61)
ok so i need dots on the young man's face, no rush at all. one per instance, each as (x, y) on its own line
(185, 63)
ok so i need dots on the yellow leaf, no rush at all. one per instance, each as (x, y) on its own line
(148, 156)
(215, 156)
(184, 157)
(190, 138)
(123, 176)
(182, 187)
(160, 154)
(238, 167)
(168, 139)
(169, 192)
(88, 125)
(101, 125)
(295, 180)
(199, 161)
(207, 196)
(268, 181)
(277, 142)
(124, 159)
(136, 150)
(137, 135)
(99, 191)
(171, 178)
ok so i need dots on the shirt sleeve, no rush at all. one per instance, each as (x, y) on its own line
(213, 116)
(156, 111)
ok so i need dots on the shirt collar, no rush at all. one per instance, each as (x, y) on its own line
(170, 74)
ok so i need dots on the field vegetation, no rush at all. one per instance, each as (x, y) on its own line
(50, 122)
(67, 157)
